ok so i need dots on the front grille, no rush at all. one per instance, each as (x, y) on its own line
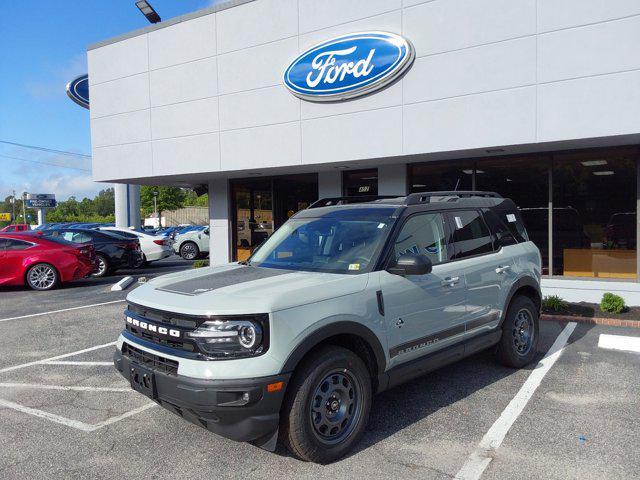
(186, 345)
(154, 362)
(171, 318)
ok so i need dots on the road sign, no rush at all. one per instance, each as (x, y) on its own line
(5, 217)
(41, 200)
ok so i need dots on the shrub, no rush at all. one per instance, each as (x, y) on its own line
(553, 303)
(201, 263)
(612, 303)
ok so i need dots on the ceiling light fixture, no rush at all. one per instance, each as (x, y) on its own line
(604, 173)
(593, 163)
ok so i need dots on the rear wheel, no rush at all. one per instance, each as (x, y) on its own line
(103, 266)
(189, 251)
(42, 276)
(327, 406)
(519, 342)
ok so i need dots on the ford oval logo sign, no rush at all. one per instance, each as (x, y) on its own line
(349, 66)
(78, 90)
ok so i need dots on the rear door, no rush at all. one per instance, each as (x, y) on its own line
(423, 312)
(486, 268)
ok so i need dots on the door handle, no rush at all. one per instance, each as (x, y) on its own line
(450, 281)
(502, 269)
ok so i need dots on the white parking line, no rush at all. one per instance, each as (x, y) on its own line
(62, 310)
(68, 388)
(85, 427)
(619, 342)
(80, 364)
(57, 357)
(479, 460)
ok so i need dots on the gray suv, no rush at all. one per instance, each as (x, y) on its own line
(348, 298)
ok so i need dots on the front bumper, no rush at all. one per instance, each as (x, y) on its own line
(207, 402)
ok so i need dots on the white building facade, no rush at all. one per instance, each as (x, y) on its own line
(535, 99)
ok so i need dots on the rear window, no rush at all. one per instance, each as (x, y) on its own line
(58, 239)
(499, 229)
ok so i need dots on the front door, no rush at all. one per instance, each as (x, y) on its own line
(423, 312)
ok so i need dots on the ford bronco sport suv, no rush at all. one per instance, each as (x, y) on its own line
(349, 297)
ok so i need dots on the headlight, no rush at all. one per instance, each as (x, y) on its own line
(232, 338)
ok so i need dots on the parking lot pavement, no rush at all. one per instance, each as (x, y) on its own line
(20, 301)
(65, 412)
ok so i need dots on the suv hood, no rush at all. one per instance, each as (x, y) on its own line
(240, 289)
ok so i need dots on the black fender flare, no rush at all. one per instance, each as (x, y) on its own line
(331, 330)
(526, 281)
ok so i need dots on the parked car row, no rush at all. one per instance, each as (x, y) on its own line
(56, 253)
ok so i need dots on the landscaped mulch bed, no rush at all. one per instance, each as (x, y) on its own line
(591, 313)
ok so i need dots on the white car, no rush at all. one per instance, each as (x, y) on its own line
(153, 247)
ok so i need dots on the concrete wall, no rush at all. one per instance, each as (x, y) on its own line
(206, 95)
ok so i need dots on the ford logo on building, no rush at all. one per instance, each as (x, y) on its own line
(349, 66)
(78, 90)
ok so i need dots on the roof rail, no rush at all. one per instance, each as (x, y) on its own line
(425, 197)
(331, 201)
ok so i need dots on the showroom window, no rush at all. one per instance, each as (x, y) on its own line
(579, 207)
(443, 176)
(360, 182)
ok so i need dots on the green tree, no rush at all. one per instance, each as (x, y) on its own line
(168, 198)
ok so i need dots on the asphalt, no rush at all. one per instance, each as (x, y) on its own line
(582, 422)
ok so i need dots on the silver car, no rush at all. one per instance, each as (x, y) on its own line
(343, 301)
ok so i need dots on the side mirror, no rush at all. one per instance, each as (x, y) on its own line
(410, 264)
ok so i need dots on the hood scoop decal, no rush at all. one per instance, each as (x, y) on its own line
(214, 281)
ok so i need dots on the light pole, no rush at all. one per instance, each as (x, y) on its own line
(155, 208)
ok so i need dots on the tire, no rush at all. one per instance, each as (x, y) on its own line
(330, 391)
(103, 266)
(189, 251)
(42, 276)
(142, 263)
(520, 331)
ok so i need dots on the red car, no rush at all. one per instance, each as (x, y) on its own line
(42, 263)
(16, 227)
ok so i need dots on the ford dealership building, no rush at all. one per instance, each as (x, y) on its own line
(272, 104)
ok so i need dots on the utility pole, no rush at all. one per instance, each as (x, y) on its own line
(13, 206)
(24, 207)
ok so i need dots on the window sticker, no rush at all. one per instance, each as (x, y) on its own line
(511, 218)
(458, 222)
(354, 266)
(382, 225)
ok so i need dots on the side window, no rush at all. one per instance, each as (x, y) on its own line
(81, 237)
(423, 234)
(17, 245)
(499, 229)
(68, 236)
(470, 234)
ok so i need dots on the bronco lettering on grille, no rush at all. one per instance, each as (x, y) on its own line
(151, 327)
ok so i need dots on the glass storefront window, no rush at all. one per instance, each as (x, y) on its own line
(360, 182)
(453, 175)
(594, 214)
(525, 180)
(593, 204)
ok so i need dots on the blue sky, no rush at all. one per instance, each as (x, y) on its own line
(42, 47)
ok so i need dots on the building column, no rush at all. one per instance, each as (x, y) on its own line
(127, 205)
(134, 206)
(392, 180)
(330, 184)
(219, 222)
(121, 205)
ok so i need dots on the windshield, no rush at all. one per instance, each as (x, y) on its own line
(341, 241)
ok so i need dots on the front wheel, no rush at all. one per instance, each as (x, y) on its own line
(519, 342)
(42, 276)
(327, 406)
(189, 251)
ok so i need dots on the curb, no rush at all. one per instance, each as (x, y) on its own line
(612, 322)
(122, 284)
